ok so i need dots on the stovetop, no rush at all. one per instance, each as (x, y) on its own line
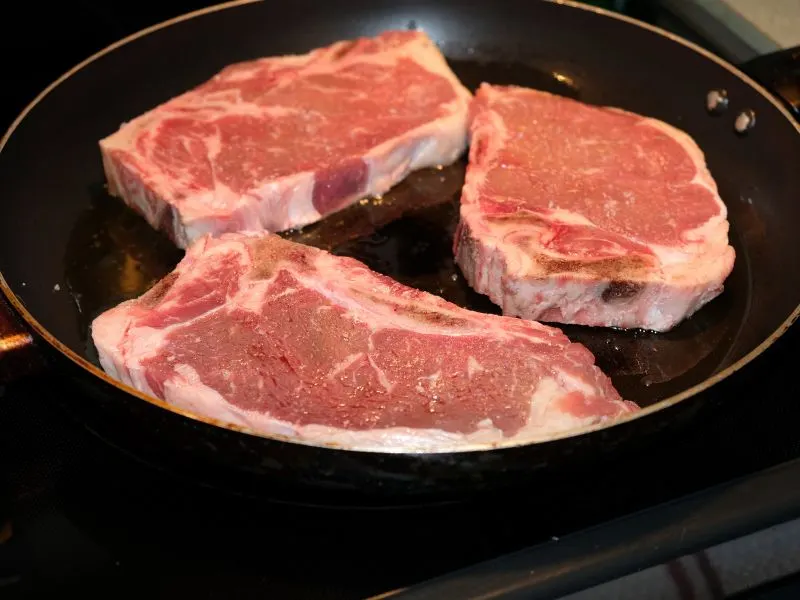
(78, 516)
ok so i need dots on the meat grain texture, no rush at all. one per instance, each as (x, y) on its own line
(290, 340)
(281, 142)
(589, 215)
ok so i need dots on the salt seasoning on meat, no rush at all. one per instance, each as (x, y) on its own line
(278, 143)
(581, 214)
(261, 332)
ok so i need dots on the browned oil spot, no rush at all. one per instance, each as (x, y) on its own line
(6, 532)
(154, 295)
(621, 290)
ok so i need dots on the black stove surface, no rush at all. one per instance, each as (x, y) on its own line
(77, 516)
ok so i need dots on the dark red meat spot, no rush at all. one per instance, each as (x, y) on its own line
(333, 185)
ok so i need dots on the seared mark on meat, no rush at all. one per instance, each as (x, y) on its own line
(417, 312)
(604, 268)
(429, 317)
(518, 217)
(156, 293)
(270, 251)
(621, 290)
(342, 49)
(465, 248)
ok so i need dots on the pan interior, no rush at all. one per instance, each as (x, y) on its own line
(106, 254)
(407, 234)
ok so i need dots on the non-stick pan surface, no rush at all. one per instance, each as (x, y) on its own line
(68, 251)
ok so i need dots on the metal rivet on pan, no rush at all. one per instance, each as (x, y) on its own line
(745, 121)
(717, 101)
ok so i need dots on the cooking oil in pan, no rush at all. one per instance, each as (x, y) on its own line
(407, 234)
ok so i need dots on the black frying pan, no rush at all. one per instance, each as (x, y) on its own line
(68, 251)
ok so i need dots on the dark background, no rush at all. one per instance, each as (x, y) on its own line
(39, 44)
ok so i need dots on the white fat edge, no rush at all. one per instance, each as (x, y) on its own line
(572, 383)
(275, 206)
(705, 255)
(142, 343)
(473, 367)
(713, 232)
(344, 364)
(546, 420)
(581, 296)
(493, 127)
(570, 297)
(134, 194)
(280, 204)
(108, 332)
(543, 419)
(438, 142)
(385, 382)
(251, 297)
(299, 202)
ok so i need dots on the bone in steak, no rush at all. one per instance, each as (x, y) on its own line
(283, 338)
(278, 143)
(573, 213)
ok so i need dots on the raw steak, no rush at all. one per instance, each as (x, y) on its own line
(287, 339)
(573, 213)
(278, 143)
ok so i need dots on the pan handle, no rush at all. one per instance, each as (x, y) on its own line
(779, 72)
(18, 354)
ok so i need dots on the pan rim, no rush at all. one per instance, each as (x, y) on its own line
(92, 369)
